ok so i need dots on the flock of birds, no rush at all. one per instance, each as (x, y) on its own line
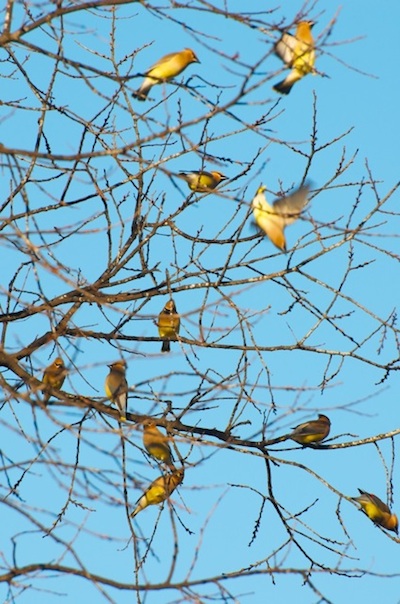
(298, 53)
(157, 444)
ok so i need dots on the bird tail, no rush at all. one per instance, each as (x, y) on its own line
(140, 94)
(283, 87)
(166, 347)
(286, 85)
(279, 439)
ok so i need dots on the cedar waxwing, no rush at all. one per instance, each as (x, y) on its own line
(165, 69)
(160, 489)
(201, 181)
(156, 443)
(54, 376)
(116, 387)
(273, 219)
(168, 325)
(377, 511)
(296, 52)
(311, 432)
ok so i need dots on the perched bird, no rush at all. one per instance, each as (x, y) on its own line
(313, 431)
(165, 69)
(297, 52)
(168, 325)
(116, 387)
(273, 219)
(54, 376)
(201, 181)
(160, 489)
(377, 511)
(156, 443)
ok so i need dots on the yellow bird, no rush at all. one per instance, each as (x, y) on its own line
(116, 387)
(313, 431)
(297, 52)
(168, 325)
(273, 219)
(160, 489)
(377, 511)
(201, 181)
(164, 70)
(156, 443)
(54, 376)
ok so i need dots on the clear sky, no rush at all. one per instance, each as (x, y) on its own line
(219, 502)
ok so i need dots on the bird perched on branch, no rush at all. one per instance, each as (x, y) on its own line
(54, 376)
(377, 511)
(164, 70)
(116, 387)
(160, 489)
(156, 443)
(273, 219)
(297, 52)
(202, 181)
(168, 325)
(313, 431)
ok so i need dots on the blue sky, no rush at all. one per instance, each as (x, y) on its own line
(220, 499)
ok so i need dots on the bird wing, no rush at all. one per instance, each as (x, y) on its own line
(376, 501)
(289, 208)
(196, 173)
(121, 395)
(307, 428)
(285, 48)
(121, 400)
(161, 61)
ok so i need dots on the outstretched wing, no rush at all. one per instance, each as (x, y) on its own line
(285, 47)
(290, 207)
